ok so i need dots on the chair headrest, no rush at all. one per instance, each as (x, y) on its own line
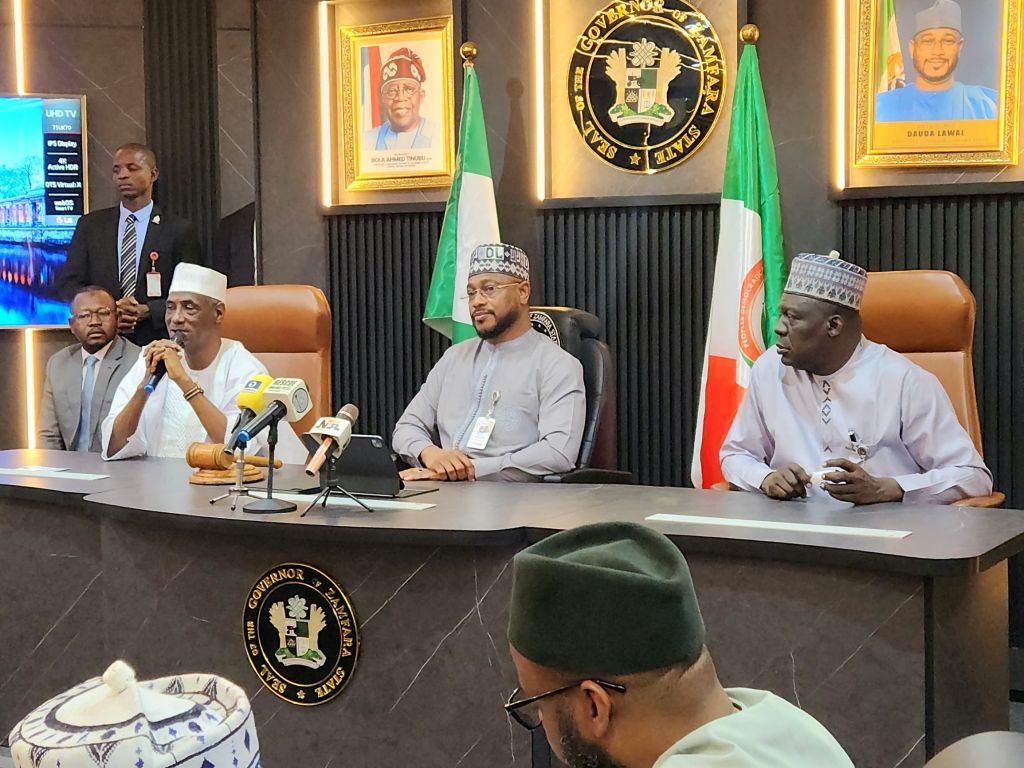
(921, 310)
(565, 326)
(278, 318)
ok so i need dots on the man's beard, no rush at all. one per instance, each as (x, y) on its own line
(578, 753)
(953, 61)
(501, 324)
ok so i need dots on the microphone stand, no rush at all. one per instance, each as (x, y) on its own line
(239, 489)
(328, 477)
(325, 494)
(270, 505)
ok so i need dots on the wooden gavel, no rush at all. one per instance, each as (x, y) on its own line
(212, 456)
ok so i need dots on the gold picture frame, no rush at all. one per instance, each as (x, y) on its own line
(894, 142)
(406, 141)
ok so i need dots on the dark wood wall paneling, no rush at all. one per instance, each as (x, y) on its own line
(647, 273)
(182, 111)
(379, 269)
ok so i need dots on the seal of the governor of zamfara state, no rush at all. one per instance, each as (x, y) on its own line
(646, 83)
(301, 636)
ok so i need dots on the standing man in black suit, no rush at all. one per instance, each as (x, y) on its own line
(132, 249)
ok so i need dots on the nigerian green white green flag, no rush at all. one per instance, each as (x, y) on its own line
(470, 219)
(889, 72)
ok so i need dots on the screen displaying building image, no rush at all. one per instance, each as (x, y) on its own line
(42, 196)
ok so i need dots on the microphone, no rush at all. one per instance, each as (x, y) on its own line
(287, 399)
(161, 368)
(336, 434)
(250, 401)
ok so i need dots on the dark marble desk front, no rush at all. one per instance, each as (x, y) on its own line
(895, 644)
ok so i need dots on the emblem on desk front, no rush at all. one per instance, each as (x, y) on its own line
(301, 636)
(646, 83)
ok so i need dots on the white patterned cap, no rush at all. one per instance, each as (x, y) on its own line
(828, 278)
(187, 721)
(945, 14)
(499, 258)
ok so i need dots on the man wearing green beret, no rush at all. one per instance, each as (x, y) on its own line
(608, 642)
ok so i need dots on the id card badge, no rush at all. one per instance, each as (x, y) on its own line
(481, 433)
(153, 285)
(484, 426)
(858, 451)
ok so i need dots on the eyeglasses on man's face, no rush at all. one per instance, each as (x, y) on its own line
(938, 41)
(406, 89)
(526, 712)
(87, 314)
(488, 291)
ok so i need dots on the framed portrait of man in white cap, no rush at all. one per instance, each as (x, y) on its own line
(392, 104)
(937, 82)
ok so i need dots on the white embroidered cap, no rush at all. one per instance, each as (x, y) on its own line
(828, 278)
(499, 258)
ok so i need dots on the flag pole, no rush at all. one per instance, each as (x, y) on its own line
(750, 34)
(470, 216)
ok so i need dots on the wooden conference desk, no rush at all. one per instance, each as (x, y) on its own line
(898, 645)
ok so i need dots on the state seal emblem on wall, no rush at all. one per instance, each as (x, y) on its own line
(646, 83)
(301, 636)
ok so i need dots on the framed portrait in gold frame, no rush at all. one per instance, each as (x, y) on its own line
(396, 104)
(937, 83)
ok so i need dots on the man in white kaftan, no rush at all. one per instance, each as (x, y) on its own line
(196, 400)
(826, 398)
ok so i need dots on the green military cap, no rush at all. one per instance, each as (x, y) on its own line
(605, 599)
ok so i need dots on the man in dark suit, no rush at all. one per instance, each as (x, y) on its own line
(132, 249)
(81, 379)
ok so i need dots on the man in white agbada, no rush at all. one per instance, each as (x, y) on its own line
(186, 721)
(827, 398)
(196, 400)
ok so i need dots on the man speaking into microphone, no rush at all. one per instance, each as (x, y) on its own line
(185, 389)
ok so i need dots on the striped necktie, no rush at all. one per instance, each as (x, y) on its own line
(128, 268)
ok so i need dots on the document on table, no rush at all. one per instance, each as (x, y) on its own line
(52, 473)
(337, 500)
(774, 525)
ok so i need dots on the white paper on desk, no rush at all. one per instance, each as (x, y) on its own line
(774, 525)
(337, 500)
(54, 474)
(39, 468)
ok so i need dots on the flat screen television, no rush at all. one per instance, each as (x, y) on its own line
(43, 192)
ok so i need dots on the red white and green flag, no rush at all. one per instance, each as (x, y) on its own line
(750, 271)
(470, 219)
(889, 65)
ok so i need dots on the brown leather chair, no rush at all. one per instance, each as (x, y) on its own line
(994, 749)
(288, 327)
(928, 316)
